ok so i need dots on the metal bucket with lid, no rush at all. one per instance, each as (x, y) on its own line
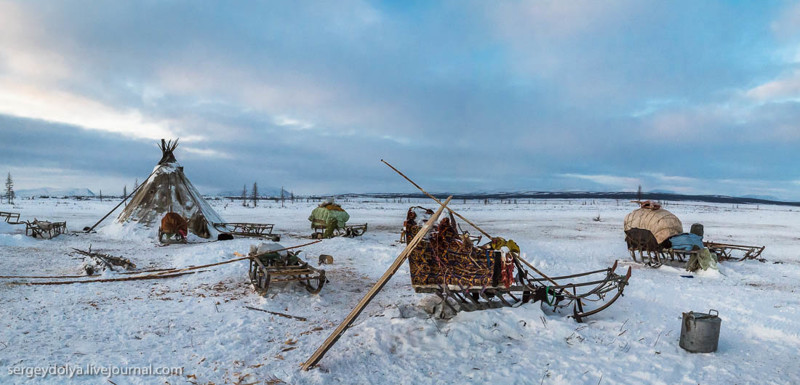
(700, 331)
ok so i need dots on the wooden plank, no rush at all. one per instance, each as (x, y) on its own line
(317, 356)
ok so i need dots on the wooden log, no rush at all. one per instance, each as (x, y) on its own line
(314, 359)
(40, 276)
(143, 277)
(278, 314)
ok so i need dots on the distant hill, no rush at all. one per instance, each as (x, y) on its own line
(54, 192)
(276, 193)
(661, 196)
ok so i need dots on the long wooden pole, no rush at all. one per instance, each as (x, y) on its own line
(120, 203)
(137, 278)
(465, 220)
(164, 274)
(314, 359)
(435, 199)
(235, 259)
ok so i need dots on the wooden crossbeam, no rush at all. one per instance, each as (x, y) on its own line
(317, 356)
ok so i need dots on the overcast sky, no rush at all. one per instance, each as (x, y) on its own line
(464, 96)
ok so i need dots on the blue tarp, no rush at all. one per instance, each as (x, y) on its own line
(686, 241)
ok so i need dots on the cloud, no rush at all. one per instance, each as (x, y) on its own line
(786, 88)
(206, 153)
(30, 83)
(62, 107)
(671, 178)
(511, 96)
(295, 124)
(612, 181)
(787, 24)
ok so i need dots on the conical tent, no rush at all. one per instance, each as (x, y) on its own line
(167, 189)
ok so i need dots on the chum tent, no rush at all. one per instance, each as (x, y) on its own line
(169, 190)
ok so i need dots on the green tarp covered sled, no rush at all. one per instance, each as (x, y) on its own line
(330, 220)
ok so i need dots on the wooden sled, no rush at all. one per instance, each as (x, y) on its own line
(656, 258)
(44, 229)
(255, 230)
(10, 218)
(268, 268)
(348, 231)
(654, 255)
(467, 277)
(725, 252)
(168, 239)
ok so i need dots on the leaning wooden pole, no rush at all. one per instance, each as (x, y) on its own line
(120, 203)
(435, 199)
(466, 220)
(314, 359)
(236, 259)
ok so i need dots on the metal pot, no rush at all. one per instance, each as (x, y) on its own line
(700, 331)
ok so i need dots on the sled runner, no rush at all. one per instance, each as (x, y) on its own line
(725, 252)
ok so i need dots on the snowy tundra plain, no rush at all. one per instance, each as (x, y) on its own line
(199, 322)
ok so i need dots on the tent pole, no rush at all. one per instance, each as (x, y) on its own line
(120, 203)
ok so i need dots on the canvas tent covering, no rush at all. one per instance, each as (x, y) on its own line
(662, 223)
(167, 189)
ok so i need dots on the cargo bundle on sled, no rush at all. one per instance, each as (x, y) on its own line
(330, 220)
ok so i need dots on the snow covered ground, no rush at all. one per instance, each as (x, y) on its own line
(199, 322)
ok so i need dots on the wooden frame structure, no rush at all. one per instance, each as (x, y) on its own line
(244, 229)
(656, 258)
(11, 218)
(44, 229)
(725, 251)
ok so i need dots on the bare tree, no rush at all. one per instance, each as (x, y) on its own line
(255, 194)
(10, 189)
(639, 194)
(136, 184)
(244, 196)
(101, 195)
(283, 197)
